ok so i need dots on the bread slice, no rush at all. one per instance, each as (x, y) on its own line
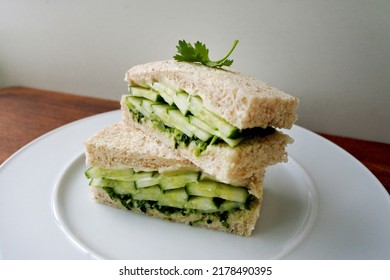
(227, 164)
(120, 146)
(241, 100)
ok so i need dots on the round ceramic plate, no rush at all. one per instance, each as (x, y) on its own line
(321, 204)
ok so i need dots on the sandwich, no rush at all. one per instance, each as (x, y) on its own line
(193, 143)
(221, 120)
(128, 170)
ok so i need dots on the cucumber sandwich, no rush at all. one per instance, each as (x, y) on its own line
(193, 144)
(223, 121)
(128, 170)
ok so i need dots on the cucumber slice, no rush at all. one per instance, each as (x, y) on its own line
(173, 118)
(123, 187)
(98, 172)
(197, 109)
(181, 122)
(97, 182)
(165, 92)
(231, 205)
(146, 93)
(151, 193)
(232, 142)
(204, 204)
(143, 105)
(136, 176)
(174, 198)
(147, 182)
(215, 189)
(181, 100)
(168, 116)
(175, 180)
(120, 187)
(136, 102)
(127, 174)
(201, 124)
(171, 96)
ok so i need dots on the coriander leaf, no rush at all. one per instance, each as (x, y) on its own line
(199, 53)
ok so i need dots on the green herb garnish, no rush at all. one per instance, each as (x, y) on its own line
(198, 53)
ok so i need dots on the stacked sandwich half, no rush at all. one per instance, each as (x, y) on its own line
(193, 145)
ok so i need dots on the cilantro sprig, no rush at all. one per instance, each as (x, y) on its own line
(199, 53)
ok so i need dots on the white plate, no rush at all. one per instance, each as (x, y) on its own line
(322, 204)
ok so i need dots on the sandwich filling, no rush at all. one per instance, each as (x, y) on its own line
(172, 191)
(185, 118)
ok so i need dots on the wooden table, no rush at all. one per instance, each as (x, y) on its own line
(26, 114)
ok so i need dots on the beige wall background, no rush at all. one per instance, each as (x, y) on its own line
(333, 55)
